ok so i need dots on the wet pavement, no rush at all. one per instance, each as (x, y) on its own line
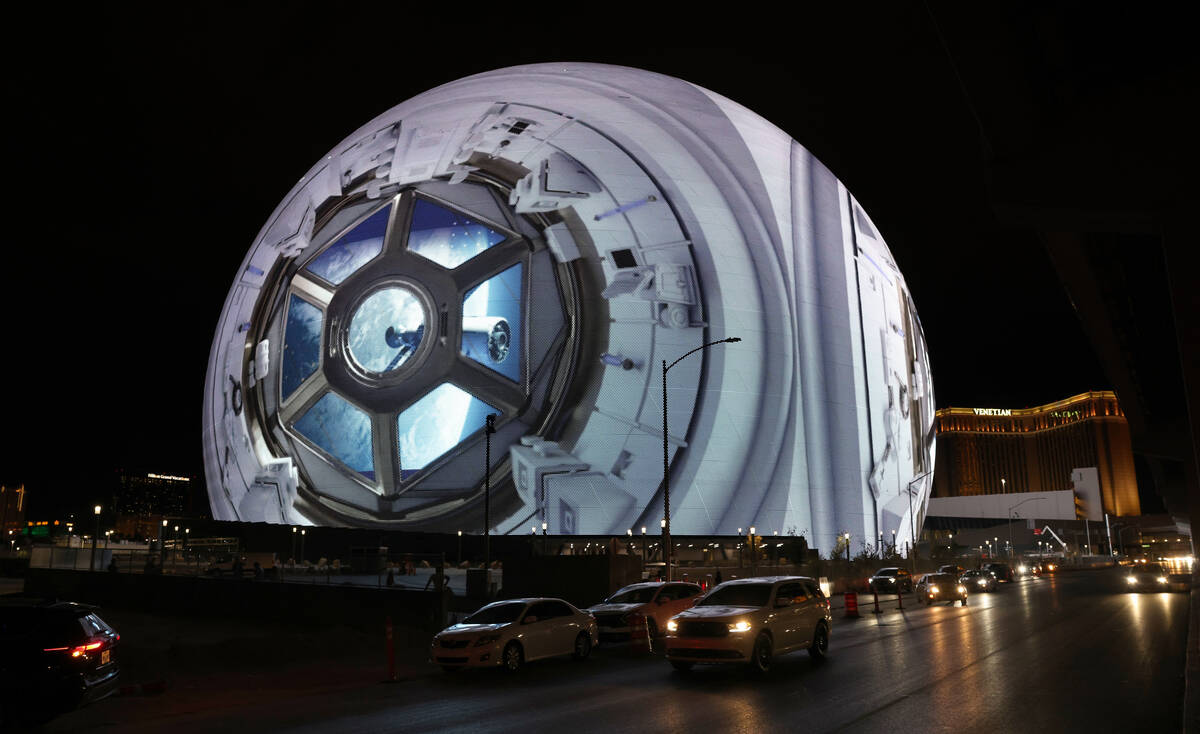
(1069, 652)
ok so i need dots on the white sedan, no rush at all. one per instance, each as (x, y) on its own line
(513, 632)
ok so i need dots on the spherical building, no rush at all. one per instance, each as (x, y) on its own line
(534, 243)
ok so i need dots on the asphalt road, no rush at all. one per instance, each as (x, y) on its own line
(1071, 652)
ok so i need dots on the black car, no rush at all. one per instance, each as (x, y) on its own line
(891, 580)
(978, 580)
(54, 656)
(1002, 571)
(939, 587)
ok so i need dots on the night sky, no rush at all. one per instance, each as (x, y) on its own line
(149, 150)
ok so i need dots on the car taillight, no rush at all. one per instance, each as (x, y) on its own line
(80, 650)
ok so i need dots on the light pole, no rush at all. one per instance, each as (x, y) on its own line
(912, 523)
(302, 532)
(460, 547)
(666, 540)
(668, 551)
(174, 547)
(1002, 483)
(489, 427)
(294, 532)
(643, 545)
(96, 509)
(847, 549)
(753, 554)
(1010, 519)
(546, 526)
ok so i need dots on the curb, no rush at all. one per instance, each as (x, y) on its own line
(1191, 670)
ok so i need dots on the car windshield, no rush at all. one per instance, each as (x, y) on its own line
(886, 572)
(633, 596)
(498, 614)
(1150, 568)
(738, 595)
(941, 578)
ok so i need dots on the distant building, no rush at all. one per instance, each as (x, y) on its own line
(12, 509)
(146, 494)
(1047, 449)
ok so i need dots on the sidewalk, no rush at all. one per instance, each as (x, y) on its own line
(1191, 693)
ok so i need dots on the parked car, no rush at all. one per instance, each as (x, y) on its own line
(750, 621)
(1002, 571)
(513, 632)
(891, 580)
(655, 600)
(939, 587)
(54, 656)
(978, 580)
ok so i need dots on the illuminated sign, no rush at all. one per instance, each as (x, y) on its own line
(1066, 414)
(993, 411)
(168, 477)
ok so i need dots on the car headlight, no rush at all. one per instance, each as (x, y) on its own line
(982, 582)
(1162, 579)
(1050, 567)
(486, 640)
(672, 626)
(1022, 569)
(740, 626)
(933, 589)
(1131, 579)
(962, 589)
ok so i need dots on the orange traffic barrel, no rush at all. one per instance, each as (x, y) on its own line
(851, 604)
(639, 634)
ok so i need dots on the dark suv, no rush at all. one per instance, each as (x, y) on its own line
(891, 580)
(54, 656)
(1002, 571)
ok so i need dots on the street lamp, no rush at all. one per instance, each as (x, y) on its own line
(1010, 519)
(1002, 483)
(96, 509)
(545, 528)
(666, 465)
(294, 529)
(912, 523)
(643, 545)
(302, 532)
(489, 427)
(847, 548)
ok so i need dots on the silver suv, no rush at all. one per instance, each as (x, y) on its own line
(750, 621)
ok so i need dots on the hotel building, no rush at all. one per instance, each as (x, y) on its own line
(991, 451)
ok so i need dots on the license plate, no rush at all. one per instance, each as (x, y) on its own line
(105, 656)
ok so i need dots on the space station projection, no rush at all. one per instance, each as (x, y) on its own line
(533, 243)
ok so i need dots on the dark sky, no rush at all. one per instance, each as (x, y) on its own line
(149, 150)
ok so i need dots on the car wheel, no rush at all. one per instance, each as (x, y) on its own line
(681, 665)
(760, 661)
(964, 601)
(583, 646)
(820, 644)
(513, 657)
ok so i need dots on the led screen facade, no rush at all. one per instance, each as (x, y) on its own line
(532, 243)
